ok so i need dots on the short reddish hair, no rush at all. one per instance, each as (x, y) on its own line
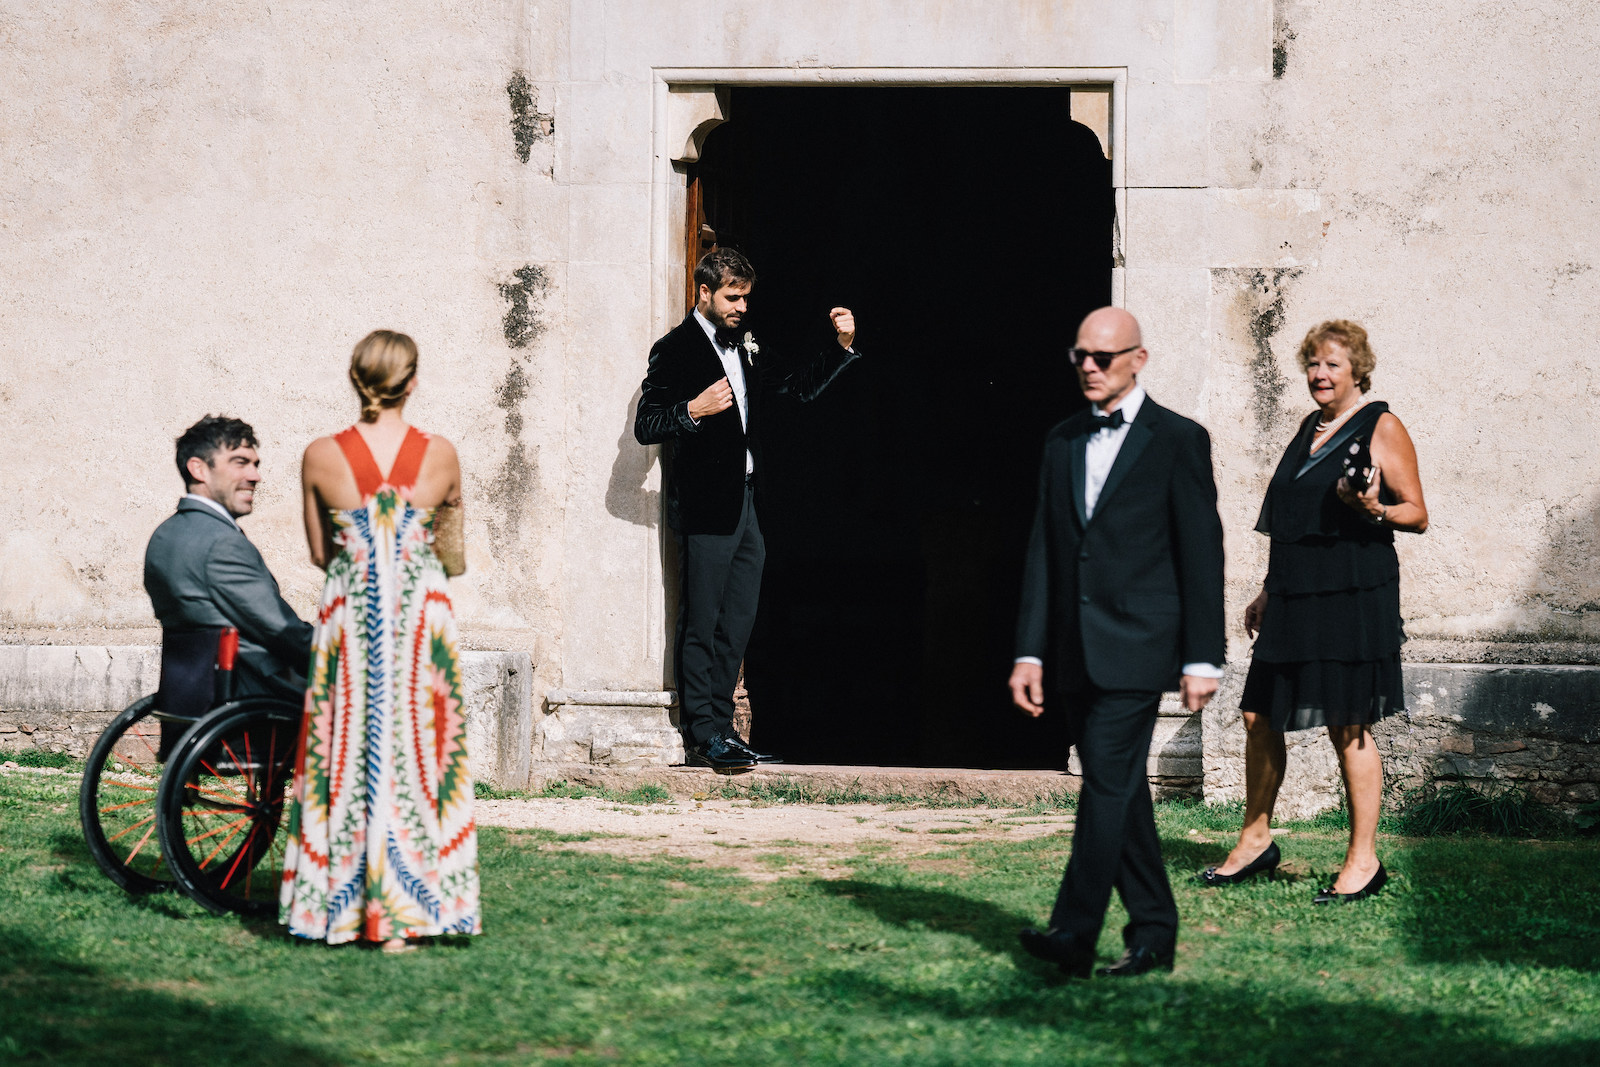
(1349, 334)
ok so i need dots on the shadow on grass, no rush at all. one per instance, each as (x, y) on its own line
(1518, 902)
(1171, 1020)
(60, 1010)
(992, 927)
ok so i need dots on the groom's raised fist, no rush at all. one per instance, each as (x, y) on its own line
(844, 324)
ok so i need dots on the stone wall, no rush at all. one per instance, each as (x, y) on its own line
(59, 699)
(1486, 725)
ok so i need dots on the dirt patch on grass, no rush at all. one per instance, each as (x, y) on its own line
(765, 842)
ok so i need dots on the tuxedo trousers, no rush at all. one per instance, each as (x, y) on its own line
(718, 591)
(1115, 845)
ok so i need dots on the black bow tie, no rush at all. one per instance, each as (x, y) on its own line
(1098, 422)
(729, 340)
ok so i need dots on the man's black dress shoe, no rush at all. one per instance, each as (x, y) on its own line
(1268, 861)
(1137, 960)
(735, 742)
(717, 754)
(1061, 949)
(1328, 896)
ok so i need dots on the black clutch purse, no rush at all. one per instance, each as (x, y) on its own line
(1358, 465)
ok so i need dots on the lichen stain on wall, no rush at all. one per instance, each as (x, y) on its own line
(523, 294)
(512, 487)
(1257, 309)
(1282, 35)
(529, 125)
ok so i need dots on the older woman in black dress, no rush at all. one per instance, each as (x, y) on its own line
(1329, 612)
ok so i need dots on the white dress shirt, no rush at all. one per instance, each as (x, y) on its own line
(214, 506)
(734, 369)
(1099, 456)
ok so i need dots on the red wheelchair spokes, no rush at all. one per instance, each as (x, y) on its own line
(221, 805)
(117, 800)
(211, 822)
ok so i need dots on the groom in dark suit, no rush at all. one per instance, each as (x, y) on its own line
(1121, 601)
(704, 395)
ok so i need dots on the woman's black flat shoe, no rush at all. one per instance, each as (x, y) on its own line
(1268, 861)
(1328, 896)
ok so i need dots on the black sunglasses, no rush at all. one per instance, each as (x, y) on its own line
(1101, 359)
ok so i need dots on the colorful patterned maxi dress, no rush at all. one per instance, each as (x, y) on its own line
(382, 842)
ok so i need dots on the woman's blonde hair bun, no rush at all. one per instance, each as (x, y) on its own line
(381, 368)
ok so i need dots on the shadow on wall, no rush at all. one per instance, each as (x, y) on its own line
(626, 496)
(1567, 583)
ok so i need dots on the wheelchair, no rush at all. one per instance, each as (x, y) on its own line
(187, 786)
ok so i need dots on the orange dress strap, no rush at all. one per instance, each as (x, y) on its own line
(362, 465)
(408, 463)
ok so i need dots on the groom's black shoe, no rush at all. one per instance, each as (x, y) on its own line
(720, 756)
(1137, 960)
(1074, 958)
(735, 742)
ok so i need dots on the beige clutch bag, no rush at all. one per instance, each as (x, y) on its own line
(449, 538)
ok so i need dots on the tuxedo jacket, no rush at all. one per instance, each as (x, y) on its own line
(706, 465)
(1124, 599)
(203, 573)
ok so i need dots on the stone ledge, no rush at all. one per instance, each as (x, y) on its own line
(1534, 724)
(59, 697)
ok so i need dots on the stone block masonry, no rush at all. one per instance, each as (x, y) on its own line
(1489, 725)
(58, 698)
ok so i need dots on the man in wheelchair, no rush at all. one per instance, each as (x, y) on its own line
(204, 576)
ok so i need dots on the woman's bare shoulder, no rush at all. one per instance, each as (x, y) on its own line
(322, 450)
(440, 443)
(440, 451)
(1389, 425)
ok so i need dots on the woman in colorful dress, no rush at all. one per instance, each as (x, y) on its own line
(1328, 654)
(382, 843)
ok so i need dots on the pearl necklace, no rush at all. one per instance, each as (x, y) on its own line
(1325, 427)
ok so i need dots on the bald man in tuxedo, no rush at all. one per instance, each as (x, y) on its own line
(1121, 601)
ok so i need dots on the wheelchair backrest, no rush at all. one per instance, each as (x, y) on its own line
(188, 673)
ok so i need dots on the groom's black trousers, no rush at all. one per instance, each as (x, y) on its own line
(719, 590)
(1115, 845)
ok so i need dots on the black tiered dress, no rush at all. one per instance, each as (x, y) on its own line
(1328, 653)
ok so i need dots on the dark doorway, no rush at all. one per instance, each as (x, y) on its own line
(970, 230)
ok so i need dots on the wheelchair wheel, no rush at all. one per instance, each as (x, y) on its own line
(222, 801)
(117, 800)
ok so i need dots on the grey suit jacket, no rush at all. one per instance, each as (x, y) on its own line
(203, 573)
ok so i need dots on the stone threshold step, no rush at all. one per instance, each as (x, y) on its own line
(837, 784)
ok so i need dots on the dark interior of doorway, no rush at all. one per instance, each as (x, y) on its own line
(970, 229)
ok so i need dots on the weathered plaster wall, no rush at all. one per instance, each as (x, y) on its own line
(1446, 174)
(203, 206)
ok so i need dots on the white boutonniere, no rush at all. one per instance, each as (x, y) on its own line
(750, 347)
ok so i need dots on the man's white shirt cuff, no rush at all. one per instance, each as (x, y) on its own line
(1198, 670)
(1202, 670)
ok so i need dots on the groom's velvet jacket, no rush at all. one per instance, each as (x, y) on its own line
(705, 467)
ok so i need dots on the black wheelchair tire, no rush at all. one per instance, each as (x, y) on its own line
(186, 763)
(105, 856)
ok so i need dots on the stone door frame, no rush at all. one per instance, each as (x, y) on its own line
(689, 102)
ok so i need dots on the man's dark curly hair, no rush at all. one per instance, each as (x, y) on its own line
(723, 266)
(212, 434)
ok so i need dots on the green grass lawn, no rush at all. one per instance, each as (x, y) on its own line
(1482, 951)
